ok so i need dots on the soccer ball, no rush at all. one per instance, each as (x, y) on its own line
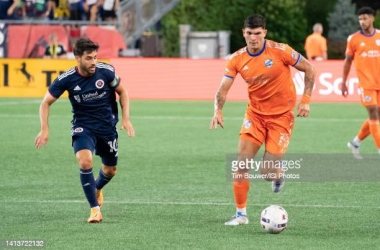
(274, 219)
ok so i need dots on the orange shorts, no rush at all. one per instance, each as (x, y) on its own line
(274, 130)
(370, 97)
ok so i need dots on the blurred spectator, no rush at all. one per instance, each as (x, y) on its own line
(91, 9)
(110, 8)
(76, 9)
(128, 21)
(62, 12)
(33, 8)
(51, 6)
(315, 45)
(7, 8)
(54, 50)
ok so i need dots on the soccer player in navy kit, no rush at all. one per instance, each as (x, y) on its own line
(91, 87)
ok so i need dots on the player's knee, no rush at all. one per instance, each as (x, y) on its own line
(109, 170)
(373, 112)
(85, 163)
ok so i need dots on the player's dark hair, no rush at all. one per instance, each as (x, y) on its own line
(366, 10)
(84, 45)
(255, 21)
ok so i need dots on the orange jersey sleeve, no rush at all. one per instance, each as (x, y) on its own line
(350, 49)
(231, 68)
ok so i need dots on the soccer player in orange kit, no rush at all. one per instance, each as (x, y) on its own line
(269, 118)
(364, 47)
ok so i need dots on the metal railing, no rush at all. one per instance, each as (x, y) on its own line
(136, 16)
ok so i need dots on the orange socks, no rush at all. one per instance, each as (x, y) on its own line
(364, 130)
(241, 193)
(375, 131)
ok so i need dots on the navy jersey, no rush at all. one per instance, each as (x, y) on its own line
(93, 98)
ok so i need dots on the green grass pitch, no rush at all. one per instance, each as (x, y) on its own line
(170, 191)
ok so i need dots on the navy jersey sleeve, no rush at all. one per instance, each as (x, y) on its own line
(112, 79)
(57, 88)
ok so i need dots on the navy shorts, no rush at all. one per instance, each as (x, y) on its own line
(103, 145)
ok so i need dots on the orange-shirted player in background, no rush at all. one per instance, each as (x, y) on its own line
(364, 48)
(316, 45)
(269, 118)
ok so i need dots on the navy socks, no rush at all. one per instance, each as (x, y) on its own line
(88, 185)
(102, 180)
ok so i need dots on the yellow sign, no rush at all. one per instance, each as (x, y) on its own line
(30, 77)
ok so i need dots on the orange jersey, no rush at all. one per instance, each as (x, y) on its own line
(365, 49)
(315, 45)
(270, 85)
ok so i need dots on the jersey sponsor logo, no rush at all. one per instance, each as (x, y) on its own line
(268, 63)
(99, 83)
(378, 42)
(77, 88)
(77, 98)
(364, 54)
(93, 96)
(261, 79)
(373, 53)
(78, 130)
(247, 124)
(362, 44)
(245, 67)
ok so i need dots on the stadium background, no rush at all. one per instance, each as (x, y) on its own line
(171, 191)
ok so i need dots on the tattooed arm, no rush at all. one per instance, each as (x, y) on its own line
(304, 106)
(220, 99)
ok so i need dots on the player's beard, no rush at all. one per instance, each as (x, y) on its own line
(87, 70)
(365, 27)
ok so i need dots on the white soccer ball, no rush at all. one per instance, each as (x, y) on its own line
(274, 219)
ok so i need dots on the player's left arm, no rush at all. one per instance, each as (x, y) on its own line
(124, 103)
(306, 67)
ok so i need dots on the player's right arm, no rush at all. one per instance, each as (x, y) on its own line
(220, 99)
(350, 52)
(43, 137)
(346, 71)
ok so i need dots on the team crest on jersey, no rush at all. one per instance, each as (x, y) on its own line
(99, 83)
(78, 130)
(247, 124)
(367, 98)
(377, 42)
(268, 63)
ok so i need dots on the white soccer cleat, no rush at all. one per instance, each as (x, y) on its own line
(355, 150)
(237, 219)
(277, 186)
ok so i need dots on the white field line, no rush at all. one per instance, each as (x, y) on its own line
(208, 118)
(165, 203)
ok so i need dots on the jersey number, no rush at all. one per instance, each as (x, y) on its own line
(113, 146)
